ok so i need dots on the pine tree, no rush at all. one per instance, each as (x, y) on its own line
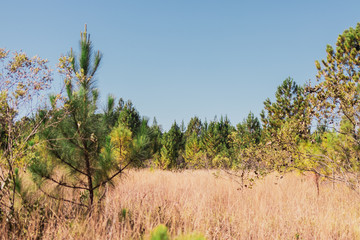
(76, 157)
(291, 104)
(171, 147)
(194, 156)
(156, 136)
(336, 96)
(194, 126)
(216, 140)
(336, 106)
(128, 115)
(249, 131)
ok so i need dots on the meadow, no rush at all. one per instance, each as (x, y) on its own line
(62, 158)
(209, 203)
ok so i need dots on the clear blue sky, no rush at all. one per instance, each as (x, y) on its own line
(177, 59)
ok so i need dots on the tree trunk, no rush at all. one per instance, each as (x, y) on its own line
(89, 178)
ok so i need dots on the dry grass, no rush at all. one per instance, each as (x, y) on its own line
(196, 201)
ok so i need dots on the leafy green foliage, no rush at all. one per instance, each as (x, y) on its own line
(335, 102)
(336, 96)
(159, 233)
(23, 81)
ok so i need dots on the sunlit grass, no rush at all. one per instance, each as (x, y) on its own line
(197, 201)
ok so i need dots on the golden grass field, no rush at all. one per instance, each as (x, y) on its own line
(197, 201)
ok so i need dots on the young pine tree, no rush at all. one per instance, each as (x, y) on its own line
(248, 132)
(172, 145)
(291, 105)
(75, 160)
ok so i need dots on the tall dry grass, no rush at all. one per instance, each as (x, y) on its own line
(197, 201)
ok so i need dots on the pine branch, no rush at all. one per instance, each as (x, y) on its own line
(65, 162)
(112, 177)
(65, 184)
(62, 199)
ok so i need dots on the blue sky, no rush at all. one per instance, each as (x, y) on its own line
(178, 59)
